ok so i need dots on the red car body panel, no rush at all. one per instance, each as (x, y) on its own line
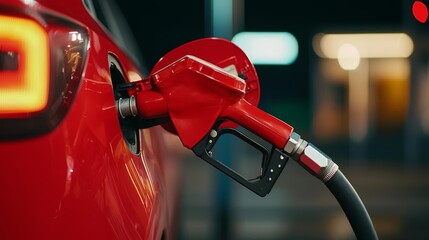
(80, 180)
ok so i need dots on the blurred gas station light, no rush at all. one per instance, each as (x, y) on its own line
(268, 48)
(369, 45)
(348, 57)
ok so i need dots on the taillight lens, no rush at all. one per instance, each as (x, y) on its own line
(42, 60)
(24, 72)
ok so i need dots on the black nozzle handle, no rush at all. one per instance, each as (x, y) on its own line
(273, 161)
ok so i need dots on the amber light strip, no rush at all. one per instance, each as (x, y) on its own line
(26, 89)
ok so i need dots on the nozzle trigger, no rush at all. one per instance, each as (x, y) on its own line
(273, 161)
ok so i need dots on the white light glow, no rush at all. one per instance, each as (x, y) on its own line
(134, 76)
(348, 57)
(29, 2)
(274, 48)
(369, 45)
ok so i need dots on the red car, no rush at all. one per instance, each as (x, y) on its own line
(70, 168)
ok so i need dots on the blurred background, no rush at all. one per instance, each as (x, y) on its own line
(353, 78)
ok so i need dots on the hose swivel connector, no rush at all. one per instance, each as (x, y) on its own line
(309, 156)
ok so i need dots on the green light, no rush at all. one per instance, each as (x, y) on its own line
(222, 18)
(268, 48)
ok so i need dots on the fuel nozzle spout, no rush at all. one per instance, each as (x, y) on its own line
(127, 107)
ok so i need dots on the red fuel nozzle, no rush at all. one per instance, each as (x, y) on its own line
(194, 94)
(201, 99)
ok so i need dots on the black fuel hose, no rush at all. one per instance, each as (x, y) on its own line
(352, 206)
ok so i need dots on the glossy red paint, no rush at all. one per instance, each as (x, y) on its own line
(80, 180)
(270, 128)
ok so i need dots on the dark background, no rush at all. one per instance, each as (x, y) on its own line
(160, 26)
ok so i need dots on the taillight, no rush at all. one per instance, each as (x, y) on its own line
(24, 66)
(42, 59)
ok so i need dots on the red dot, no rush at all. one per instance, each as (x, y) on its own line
(420, 11)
